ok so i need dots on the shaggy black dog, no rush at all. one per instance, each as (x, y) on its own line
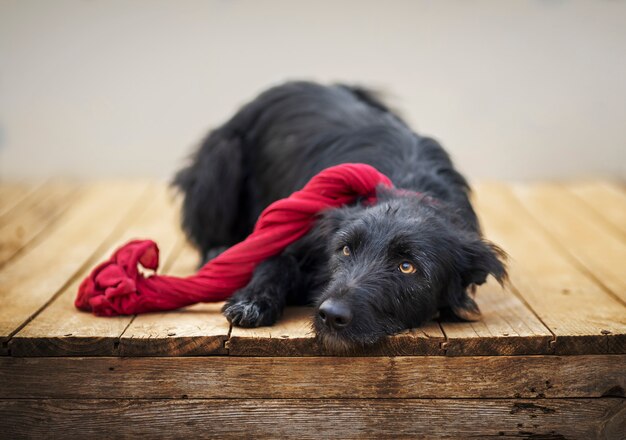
(370, 271)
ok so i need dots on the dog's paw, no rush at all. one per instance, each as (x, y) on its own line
(247, 309)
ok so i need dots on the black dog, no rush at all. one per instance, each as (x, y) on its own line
(370, 271)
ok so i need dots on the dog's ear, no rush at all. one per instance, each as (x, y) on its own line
(480, 258)
(477, 259)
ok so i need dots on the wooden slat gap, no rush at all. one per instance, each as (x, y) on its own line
(516, 292)
(443, 346)
(227, 341)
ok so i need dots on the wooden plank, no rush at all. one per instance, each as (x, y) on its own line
(507, 327)
(607, 199)
(200, 329)
(292, 335)
(313, 377)
(61, 329)
(582, 316)
(30, 280)
(30, 218)
(299, 418)
(11, 195)
(579, 235)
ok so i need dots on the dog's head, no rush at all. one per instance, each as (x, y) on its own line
(393, 265)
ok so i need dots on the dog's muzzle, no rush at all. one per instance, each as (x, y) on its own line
(335, 314)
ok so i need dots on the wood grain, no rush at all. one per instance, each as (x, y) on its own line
(200, 329)
(292, 335)
(607, 199)
(30, 280)
(507, 327)
(314, 377)
(589, 243)
(299, 418)
(11, 195)
(564, 297)
(277, 381)
(30, 218)
(63, 330)
(583, 317)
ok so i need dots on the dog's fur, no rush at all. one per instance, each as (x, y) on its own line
(272, 147)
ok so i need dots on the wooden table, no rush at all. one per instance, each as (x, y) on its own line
(547, 360)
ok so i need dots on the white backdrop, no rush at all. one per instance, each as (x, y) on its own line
(514, 90)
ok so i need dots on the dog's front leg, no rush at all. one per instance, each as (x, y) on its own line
(262, 301)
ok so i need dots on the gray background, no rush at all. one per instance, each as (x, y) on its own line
(514, 89)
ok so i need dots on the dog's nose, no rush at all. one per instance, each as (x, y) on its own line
(335, 314)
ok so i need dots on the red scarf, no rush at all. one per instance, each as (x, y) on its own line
(117, 287)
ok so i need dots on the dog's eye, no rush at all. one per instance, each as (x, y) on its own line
(346, 250)
(407, 268)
